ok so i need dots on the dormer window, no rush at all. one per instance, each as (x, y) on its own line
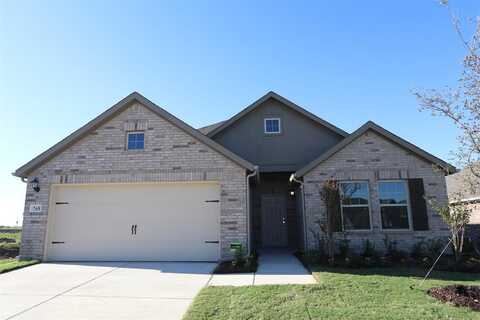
(135, 140)
(272, 126)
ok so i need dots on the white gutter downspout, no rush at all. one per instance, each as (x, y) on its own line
(293, 178)
(251, 175)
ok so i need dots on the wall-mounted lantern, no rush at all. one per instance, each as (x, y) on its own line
(35, 184)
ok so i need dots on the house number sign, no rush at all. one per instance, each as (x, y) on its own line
(35, 208)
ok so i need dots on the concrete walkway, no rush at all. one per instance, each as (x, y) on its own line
(275, 267)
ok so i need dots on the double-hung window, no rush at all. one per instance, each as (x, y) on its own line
(394, 205)
(135, 140)
(355, 205)
(272, 126)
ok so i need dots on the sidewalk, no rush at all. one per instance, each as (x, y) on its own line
(274, 267)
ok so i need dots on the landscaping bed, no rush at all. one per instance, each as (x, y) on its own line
(246, 265)
(423, 254)
(459, 295)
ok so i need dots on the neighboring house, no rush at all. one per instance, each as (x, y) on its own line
(136, 183)
(461, 188)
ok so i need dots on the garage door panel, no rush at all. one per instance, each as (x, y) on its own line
(173, 222)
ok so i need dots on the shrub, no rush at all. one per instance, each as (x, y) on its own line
(369, 249)
(344, 248)
(238, 256)
(419, 250)
(392, 252)
(435, 247)
(315, 257)
(369, 255)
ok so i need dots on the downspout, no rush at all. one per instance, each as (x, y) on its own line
(293, 178)
(251, 175)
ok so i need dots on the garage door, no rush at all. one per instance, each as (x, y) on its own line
(142, 222)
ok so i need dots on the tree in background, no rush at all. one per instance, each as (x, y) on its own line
(462, 106)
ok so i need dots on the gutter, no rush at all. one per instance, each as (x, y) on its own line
(249, 229)
(300, 182)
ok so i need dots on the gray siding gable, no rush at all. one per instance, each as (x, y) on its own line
(303, 136)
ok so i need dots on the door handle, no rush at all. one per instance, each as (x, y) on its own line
(134, 229)
(284, 220)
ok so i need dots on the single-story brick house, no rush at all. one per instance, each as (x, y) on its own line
(137, 183)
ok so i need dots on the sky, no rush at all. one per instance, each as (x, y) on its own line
(64, 62)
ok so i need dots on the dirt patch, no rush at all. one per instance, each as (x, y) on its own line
(459, 295)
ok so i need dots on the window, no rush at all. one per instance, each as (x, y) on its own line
(355, 205)
(135, 141)
(394, 205)
(272, 125)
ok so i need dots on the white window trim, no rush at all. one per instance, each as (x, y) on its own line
(409, 211)
(356, 205)
(135, 132)
(265, 126)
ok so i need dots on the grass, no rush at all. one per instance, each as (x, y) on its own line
(11, 235)
(12, 247)
(7, 265)
(340, 294)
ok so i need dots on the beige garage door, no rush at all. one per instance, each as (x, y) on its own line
(134, 222)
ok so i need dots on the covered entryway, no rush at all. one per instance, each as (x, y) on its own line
(134, 222)
(275, 213)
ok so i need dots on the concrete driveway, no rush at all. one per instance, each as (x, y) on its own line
(116, 290)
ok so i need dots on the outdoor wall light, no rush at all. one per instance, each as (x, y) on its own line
(35, 184)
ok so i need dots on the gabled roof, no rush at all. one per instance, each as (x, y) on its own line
(209, 128)
(387, 134)
(24, 170)
(288, 103)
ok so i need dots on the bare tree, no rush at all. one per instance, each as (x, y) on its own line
(330, 195)
(461, 104)
(457, 216)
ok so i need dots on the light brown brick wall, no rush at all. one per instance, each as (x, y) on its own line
(170, 155)
(371, 157)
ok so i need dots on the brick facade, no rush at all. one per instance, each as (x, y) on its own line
(170, 154)
(372, 157)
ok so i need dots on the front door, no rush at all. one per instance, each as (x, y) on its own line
(274, 221)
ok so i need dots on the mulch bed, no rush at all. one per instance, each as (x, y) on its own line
(459, 295)
(249, 266)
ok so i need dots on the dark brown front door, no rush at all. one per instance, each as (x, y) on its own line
(274, 221)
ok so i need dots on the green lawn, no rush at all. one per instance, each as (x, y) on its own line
(340, 294)
(11, 235)
(13, 264)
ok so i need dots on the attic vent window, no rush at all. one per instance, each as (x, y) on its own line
(135, 141)
(272, 125)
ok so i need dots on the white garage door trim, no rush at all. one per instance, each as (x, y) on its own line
(190, 186)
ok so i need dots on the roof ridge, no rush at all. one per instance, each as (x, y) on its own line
(285, 101)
